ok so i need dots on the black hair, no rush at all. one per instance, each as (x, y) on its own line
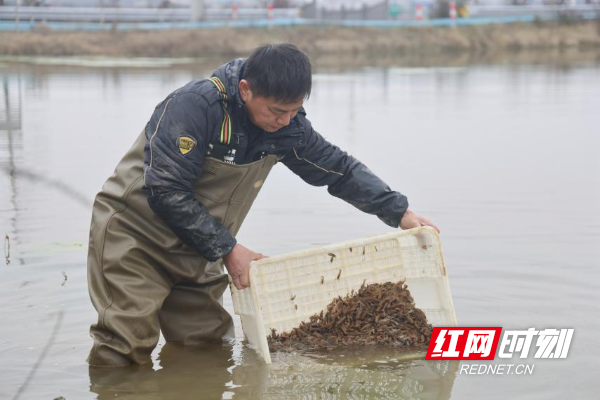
(280, 71)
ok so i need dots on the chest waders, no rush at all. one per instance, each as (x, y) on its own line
(143, 279)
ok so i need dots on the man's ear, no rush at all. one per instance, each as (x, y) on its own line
(245, 92)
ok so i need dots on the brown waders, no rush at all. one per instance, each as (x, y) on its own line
(142, 279)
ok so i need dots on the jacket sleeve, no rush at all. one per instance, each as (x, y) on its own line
(177, 138)
(320, 163)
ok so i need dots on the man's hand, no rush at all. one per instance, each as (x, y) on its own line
(238, 265)
(412, 220)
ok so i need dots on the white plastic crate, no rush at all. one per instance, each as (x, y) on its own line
(288, 289)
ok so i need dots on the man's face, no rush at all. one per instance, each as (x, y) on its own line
(267, 113)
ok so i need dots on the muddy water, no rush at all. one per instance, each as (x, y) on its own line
(504, 158)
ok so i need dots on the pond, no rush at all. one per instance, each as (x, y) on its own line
(503, 157)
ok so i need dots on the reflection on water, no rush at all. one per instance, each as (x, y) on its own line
(376, 373)
(502, 157)
(10, 122)
(214, 371)
(182, 373)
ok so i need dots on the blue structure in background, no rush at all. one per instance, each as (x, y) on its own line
(264, 23)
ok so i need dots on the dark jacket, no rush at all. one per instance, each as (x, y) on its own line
(195, 113)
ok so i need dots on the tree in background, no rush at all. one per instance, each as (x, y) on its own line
(282, 4)
(441, 9)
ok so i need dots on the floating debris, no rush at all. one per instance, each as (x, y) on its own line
(65, 278)
(379, 314)
(7, 249)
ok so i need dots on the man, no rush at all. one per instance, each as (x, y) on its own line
(169, 214)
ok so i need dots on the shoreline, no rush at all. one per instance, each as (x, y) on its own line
(315, 41)
(557, 58)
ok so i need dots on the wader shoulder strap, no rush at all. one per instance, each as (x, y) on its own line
(226, 125)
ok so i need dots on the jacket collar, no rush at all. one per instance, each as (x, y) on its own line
(230, 74)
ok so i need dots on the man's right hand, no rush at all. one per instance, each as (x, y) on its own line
(411, 220)
(238, 262)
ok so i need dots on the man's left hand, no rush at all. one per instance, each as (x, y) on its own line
(411, 220)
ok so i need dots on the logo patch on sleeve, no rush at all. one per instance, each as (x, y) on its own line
(186, 144)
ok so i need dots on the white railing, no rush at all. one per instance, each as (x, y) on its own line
(105, 14)
(538, 9)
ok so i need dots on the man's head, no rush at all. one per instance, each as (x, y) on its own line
(277, 79)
